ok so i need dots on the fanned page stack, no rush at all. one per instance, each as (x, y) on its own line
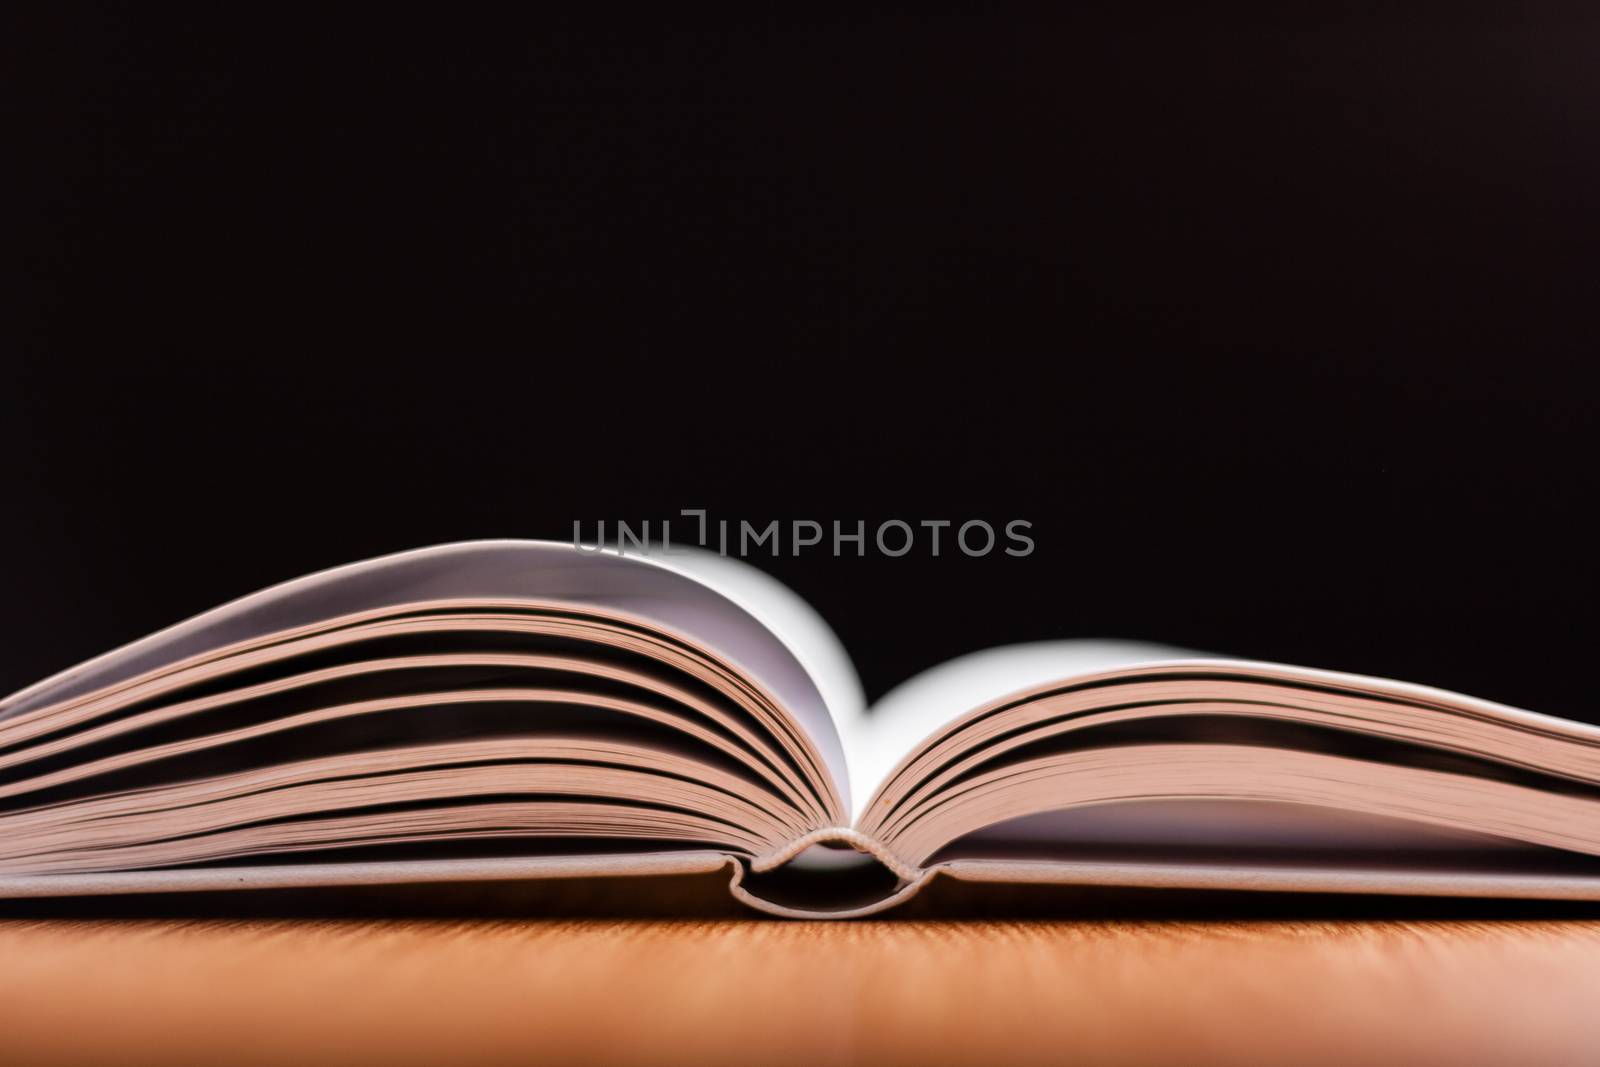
(516, 709)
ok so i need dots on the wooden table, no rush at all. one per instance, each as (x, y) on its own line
(1222, 985)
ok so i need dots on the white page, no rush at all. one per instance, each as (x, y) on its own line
(791, 619)
(732, 609)
(897, 724)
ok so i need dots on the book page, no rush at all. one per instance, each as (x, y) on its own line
(1180, 754)
(909, 713)
(792, 620)
(729, 608)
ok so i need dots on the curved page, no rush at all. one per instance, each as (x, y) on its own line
(654, 590)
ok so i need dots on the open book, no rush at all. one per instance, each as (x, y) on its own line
(521, 709)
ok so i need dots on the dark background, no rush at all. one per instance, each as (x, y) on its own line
(1279, 330)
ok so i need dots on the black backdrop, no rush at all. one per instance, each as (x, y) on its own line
(1275, 329)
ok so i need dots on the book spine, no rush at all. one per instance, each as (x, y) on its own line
(838, 835)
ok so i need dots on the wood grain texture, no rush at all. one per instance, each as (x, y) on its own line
(394, 992)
